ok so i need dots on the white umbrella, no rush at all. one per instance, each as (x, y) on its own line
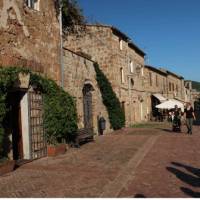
(170, 104)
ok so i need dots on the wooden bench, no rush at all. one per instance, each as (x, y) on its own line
(83, 135)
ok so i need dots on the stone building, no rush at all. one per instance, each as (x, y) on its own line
(156, 88)
(162, 84)
(120, 60)
(188, 91)
(175, 85)
(79, 81)
(30, 38)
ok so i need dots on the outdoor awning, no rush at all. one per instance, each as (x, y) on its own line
(170, 104)
(160, 97)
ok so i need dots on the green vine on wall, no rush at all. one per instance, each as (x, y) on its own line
(60, 116)
(110, 100)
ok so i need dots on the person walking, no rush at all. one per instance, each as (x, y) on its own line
(190, 116)
(176, 122)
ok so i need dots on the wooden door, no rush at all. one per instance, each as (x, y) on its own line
(87, 107)
(15, 117)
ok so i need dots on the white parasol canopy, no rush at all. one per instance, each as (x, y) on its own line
(170, 104)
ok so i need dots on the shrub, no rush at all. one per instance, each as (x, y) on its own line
(60, 117)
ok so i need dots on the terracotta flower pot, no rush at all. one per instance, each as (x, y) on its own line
(7, 166)
(54, 150)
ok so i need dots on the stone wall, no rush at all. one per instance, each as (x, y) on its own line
(168, 84)
(155, 82)
(30, 38)
(177, 87)
(79, 71)
(114, 54)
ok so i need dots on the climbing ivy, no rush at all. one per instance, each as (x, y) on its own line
(110, 100)
(60, 117)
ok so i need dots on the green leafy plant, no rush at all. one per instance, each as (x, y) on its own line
(110, 100)
(72, 15)
(60, 117)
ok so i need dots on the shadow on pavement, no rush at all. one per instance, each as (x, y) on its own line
(192, 178)
(139, 196)
(197, 123)
(190, 192)
(169, 131)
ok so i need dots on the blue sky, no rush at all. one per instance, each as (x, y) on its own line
(167, 30)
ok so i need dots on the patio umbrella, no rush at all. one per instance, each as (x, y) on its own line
(170, 104)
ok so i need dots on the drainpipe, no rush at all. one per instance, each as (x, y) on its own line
(61, 45)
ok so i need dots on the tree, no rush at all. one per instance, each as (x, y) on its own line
(72, 15)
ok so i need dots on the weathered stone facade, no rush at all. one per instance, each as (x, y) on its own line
(188, 91)
(121, 61)
(29, 37)
(78, 72)
(175, 84)
(155, 84)
(156, 81)
(166, 85)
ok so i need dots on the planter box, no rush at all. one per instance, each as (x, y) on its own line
(6, 167)
(56, 149)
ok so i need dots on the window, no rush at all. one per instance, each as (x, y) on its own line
(131, 67)
(150, 78)
(122, 75)
(120, 44)
(170, 87)
(157, 80)
(34, 4)
(177, 88)
(164, 86)
(142, 70)
(131, 83)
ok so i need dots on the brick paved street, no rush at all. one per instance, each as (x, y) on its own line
(152, 162)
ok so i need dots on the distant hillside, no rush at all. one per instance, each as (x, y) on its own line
(196, 85)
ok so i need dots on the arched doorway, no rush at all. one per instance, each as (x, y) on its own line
(87, 106)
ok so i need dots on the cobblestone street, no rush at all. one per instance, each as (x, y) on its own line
(148, 162)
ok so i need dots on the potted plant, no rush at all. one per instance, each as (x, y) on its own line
(6, 165)
(55, 146)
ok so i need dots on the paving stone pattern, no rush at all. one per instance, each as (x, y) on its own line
(170, 169)
(151, 162)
